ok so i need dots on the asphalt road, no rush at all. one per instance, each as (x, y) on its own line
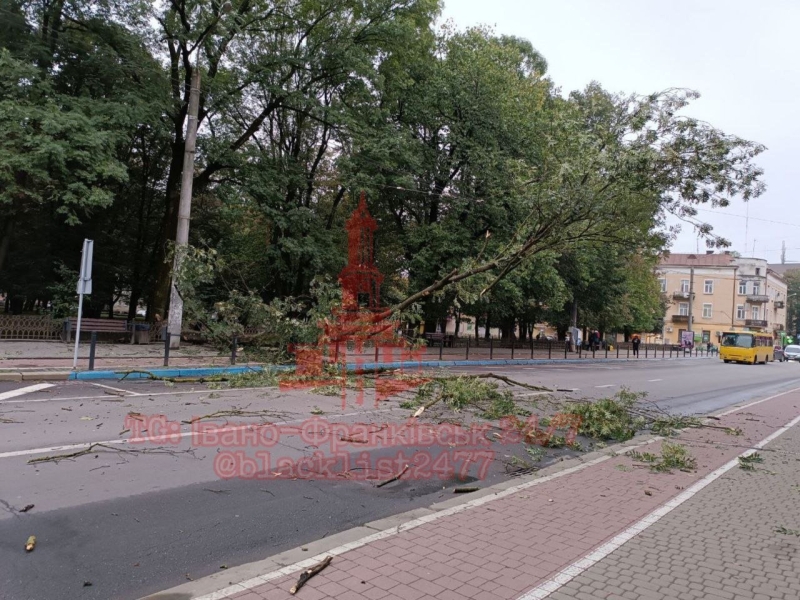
(135, 523)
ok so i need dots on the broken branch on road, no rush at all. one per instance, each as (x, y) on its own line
(56, 458)
(309, 573)
(395, 478)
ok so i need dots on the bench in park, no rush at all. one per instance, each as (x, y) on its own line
(96, 325)
(435, 339)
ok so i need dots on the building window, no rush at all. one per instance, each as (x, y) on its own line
(683, 309)
(742, 288)
(758, 270)
(708, 288)
(706, 311)
(756, 288)
(685, 286)
(663, 284)
(755, 313)
(740, 312)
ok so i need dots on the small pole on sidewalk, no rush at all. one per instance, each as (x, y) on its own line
(467, 358)
(491, 348)
(512, 348)
(549, 349)
(92, 348)
(441, 347)
(645, 350)
(662, 350)
(233, 349)
(593, 349)
(580, 350)
(629, 351)
(377, 354)
(166, 346)
(336, 353)
(532, 347)
(566, 349)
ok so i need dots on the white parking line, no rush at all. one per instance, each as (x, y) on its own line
(108, 387)
(26, 390)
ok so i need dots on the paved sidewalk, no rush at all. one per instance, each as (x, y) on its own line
(725, 542)
(531, 539)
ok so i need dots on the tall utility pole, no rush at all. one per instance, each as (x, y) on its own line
(783, 253)
(184, 210)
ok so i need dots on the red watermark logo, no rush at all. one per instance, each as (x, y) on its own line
(350, 450)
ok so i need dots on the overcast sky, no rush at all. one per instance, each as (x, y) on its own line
(742, 56)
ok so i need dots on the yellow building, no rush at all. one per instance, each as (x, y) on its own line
(720, 292)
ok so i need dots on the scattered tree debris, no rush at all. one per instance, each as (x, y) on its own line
(30, 544)
(216, 491)
(747, 463)
(465, 490)
(4, 420)
(395, 478)
(234, 412)
(352, 440)
(673, 456)
(784, 531)
(87, 584)
(27, 508)
(309, 573)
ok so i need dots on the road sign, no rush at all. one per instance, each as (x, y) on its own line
(84, 287)
(85, 277)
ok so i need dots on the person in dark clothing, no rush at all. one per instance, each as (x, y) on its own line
(636, 342)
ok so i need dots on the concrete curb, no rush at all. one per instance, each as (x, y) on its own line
(238, 370)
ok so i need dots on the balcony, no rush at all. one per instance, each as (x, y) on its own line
(755, 324)
(680, 319)
(757, 298)
(680, 295)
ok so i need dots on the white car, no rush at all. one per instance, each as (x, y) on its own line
(792, 352)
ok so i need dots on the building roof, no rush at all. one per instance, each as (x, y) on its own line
(783, 269)
(675, 259)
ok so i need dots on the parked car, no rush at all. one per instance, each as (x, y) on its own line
(791, 353)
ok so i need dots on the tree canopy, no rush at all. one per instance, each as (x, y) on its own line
(496, 195)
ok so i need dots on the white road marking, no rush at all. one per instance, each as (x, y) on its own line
(606, 386)
(577, 568)
(206, 391)
(738, 408)
(164, 438)
(26, 390)
(108, 387)
(654, 380)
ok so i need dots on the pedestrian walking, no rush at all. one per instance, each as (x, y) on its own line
(636, 342)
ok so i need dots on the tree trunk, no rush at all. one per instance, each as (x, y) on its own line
(5, 241)
(136, 293)
(159, 303)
